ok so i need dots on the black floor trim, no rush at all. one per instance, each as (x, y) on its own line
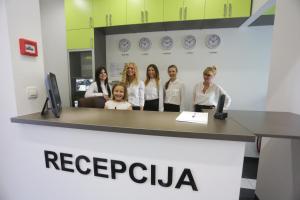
(247, 194)
(250, 168)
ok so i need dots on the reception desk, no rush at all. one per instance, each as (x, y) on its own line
(137, 155)
(279, 161)
(108, 154)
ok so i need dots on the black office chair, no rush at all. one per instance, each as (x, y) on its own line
(92, 102)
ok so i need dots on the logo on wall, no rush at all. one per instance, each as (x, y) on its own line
(124, 45)
(145, 44)
(28, 47)
(166, 43)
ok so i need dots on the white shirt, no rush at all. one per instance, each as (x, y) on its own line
(153, 92)
(116, 105)
(175, 93)
(93, 90)
(136, 94)
(211, 95)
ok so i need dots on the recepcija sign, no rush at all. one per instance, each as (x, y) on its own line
(111, 169)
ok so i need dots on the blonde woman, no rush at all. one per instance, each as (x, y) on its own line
(173, 92)
(206, 93)
(153, 92)
(135, 87)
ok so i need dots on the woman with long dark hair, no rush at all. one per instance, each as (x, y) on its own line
(173, 91)
(100, 87)
(153, 92)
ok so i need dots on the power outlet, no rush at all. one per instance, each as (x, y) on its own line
(31, 92)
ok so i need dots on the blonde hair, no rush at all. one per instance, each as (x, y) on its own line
(125, 98)
(211, 69)
(157, 79)
(125, 78)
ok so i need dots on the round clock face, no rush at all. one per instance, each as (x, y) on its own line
(189, 42)
(212, 41)
(124, 45)
(166, 43)
(145, 43)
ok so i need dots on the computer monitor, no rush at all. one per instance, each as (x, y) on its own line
(53, 95)
(82, 84)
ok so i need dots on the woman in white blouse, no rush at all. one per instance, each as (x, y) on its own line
(153, 93)
(135, 87)
(173, 91)
(206, 94)
(100, 87)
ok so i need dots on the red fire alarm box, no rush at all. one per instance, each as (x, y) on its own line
(28, 47)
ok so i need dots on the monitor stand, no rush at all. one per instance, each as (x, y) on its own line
(221, 115)
(45, 107)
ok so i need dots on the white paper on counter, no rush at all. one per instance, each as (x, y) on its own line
(194, 117)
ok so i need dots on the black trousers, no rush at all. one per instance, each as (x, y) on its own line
(136, 108)
(171, 107)
(199, 108)
(151, 105)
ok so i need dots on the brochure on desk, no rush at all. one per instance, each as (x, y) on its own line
(193, 117)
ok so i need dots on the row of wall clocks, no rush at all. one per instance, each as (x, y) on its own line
(189, 42)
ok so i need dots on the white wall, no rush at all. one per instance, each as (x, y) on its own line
(54, 42)
(257, 4)
(17, 19)
(281, 156)
(242, 60)
(283, 91)
(7, 105)
(24, 22)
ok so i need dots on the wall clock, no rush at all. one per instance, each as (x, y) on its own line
(189, 42)
(212, 41)
(166, 43)
(124, 45)
(145, 44)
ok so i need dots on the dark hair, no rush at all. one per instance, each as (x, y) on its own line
(156, 73)
(168, 82)
(97, 73)
(125, 90)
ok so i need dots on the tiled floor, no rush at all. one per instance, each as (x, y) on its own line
(248, 182)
